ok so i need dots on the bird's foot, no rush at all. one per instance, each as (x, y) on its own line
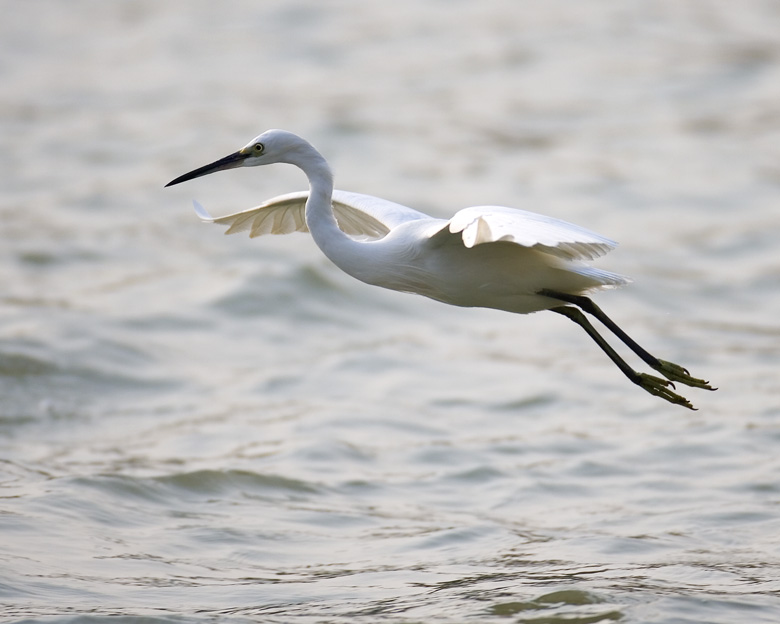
(675, 372)
(660, 388)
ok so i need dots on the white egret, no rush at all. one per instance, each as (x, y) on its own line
(484, 256)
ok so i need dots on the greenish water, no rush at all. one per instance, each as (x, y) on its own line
(199, 428)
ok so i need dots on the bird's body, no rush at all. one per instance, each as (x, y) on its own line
(410, 251)
(484, 256)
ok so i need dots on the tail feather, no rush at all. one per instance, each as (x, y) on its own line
(603, 279)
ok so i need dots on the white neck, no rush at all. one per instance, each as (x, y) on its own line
(340, 249)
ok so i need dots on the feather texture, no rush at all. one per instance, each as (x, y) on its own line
(491, 224)
(367, 217)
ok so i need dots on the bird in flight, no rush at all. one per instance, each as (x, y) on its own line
(484, 256)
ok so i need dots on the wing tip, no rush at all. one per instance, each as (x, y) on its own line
(202, 213)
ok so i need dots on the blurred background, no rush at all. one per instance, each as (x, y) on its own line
(197, 427)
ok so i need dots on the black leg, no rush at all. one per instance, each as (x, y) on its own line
(669, 370)
(653, 385)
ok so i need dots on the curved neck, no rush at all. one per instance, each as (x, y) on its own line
(319, 209)
(340, 249)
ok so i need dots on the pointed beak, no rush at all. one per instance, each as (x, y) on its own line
(228, 162)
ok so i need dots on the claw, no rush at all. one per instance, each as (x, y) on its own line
(675, 372)
(660, 388)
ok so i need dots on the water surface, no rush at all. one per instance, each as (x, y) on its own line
(204, 428)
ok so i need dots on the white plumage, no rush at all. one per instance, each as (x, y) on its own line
(549, 246)
(369, 217)
(484, 256)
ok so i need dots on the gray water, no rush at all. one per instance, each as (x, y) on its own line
(199, 428)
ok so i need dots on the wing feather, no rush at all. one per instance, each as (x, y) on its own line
(490, 224)
(365, 216)
(358, 215)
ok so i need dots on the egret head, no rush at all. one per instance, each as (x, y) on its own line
(273, 146)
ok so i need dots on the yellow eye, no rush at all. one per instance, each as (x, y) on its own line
(258, 148)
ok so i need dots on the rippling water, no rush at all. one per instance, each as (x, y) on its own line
(201, 428)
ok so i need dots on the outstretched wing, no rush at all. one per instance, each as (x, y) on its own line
(365, 216)
(490, 224)
(358, 215)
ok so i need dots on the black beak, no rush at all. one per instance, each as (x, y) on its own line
(228, 162)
